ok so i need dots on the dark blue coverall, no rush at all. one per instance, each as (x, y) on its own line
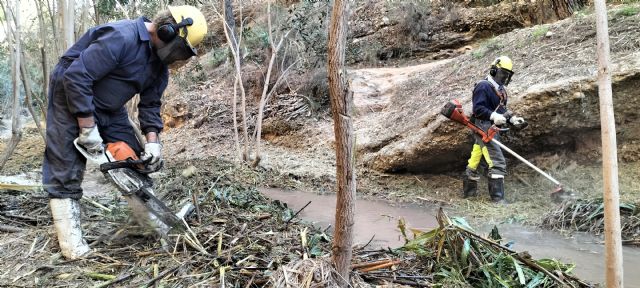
(105, 68)
(486, 100)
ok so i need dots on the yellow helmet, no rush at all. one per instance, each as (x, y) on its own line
(503, 62)
(197, 30)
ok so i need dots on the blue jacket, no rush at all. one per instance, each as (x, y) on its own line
(486, 100)
(111, 63)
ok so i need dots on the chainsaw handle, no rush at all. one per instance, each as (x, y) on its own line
(128, 163)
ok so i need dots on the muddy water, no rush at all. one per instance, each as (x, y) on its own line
(378, 219)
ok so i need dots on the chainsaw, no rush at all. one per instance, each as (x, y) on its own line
(453, 110)
(120, 164)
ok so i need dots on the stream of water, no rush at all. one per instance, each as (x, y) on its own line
(379, 219)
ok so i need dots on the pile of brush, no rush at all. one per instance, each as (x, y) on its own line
(245, 240)
(587, 215)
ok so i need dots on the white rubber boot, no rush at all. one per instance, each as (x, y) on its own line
(66, 220)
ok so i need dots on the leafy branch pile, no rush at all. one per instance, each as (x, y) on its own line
(587, 215)
(458, 257)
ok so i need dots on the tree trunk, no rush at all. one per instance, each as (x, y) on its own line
(16, 133)
(341, 108)
(28, 96)
(265, 88)
(231, 23)
(230, 29)
(84, 18)
(69, 26)
(612, 236)
(235, 42)
(45, 65)
(55, 26)
(96, 12)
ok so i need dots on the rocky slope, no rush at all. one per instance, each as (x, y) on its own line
(554, 88)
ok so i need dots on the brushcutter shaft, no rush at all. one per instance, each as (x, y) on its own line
(505, 148)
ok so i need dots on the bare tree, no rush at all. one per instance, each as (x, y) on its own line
(44, 62)
(264, 97)
(234, 46)
(28, 96)
(341, 109)
(14, 35)
(611, 193)
(55, 26)
(84, 18)
(69, 24)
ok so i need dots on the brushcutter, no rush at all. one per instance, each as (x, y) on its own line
(453, 110)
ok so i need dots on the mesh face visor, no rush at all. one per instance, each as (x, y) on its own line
(503, 76)
(176, 50)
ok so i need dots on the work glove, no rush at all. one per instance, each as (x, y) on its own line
(515, 120)
(90, 139)
(498, 118)
(153, 154)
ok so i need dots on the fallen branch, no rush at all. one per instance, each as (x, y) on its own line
(296, 214)
(381, 266)
(10, 229)
(162, 275)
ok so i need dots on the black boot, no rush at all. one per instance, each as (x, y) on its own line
(469, 187)
(496, 189)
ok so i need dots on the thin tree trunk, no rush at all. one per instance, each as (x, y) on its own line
(16, 131)
(612, 236)
(69, 24)
(231, 22)
(235, 42)
(44, 62)
(28, 96)
(341, 108)
(96, 13)
(230, 29)
(84, 16)
(124, 10)
(265, 88)
(61, 11)
(54, 27)
(236, 138)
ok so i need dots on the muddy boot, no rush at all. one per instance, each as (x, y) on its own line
(496, 189)
(470, 184)
(66, 220)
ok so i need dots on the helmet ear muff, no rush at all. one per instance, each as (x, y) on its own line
(166, 32)
(493, 70)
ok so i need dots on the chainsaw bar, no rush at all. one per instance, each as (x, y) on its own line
(134, 184)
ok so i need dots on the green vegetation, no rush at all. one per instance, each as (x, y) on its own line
(490, 45)
(459, 257)
(588, 215)
(627, 11)
(540, 31)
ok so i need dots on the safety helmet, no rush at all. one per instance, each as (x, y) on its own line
(503, 65)
(195, 31)
(503, 62)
